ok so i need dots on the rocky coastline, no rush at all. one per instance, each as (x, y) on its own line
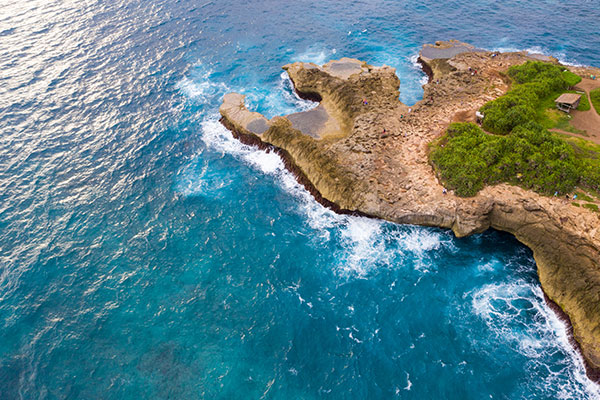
(362, 151)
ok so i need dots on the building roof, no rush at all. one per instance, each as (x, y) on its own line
(568, 98)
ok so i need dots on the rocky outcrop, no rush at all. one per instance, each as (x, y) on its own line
(364, 151)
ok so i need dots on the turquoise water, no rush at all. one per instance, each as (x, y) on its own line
(144, 253)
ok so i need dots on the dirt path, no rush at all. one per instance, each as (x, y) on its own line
(587, 84)
(590, 138)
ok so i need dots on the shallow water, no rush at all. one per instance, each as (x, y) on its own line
(145, 253)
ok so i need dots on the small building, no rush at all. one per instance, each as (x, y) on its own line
(568, 101)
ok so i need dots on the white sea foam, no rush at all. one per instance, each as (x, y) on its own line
(501, 306)
(420, 244)
(414, 60)
(562, 57)
(408, 382)
(419, 240)
(489, 266)
(315, 55)
(218, 138)
(353, 338)
(366, 245)
(418, 69)
(194, 180)
(286, 87)
(202, 90)
(363, 246)
(192, 183)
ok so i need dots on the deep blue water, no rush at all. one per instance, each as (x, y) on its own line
(144, 253)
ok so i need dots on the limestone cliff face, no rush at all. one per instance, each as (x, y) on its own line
(565, 247)
(372, 158)
(304, 154)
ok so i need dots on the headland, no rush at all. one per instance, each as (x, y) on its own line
(362, 151)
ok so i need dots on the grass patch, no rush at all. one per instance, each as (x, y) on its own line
(576, 204)
(555, 119)
(595, 96)
(583, 196)
(593, 207)
(565, 125)
(584, 149)
(570, 78)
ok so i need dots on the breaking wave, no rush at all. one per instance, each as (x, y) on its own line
(505, 307)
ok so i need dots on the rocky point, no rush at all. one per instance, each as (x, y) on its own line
(361, 150)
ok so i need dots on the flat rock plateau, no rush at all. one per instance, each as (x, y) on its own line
(362, 151)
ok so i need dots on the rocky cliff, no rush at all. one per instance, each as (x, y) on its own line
(362, 150)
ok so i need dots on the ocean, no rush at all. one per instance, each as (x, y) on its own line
(145, 253)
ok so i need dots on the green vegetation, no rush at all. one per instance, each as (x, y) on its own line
(575, 204)
(467, 159)
(570, 78)
(595, 95)
(584, 149)
(593, 207)
(536, 83)
(524, 153)
(583, 196)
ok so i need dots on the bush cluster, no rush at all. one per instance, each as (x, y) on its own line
(535, 81)
(467, 159)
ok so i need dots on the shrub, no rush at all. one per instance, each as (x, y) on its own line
(525, 153)
(505, 113)
(570, 78)
(535, 82)
(530, 157)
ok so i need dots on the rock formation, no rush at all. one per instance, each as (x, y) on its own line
(362, 150)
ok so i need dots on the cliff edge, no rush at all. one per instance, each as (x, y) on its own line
(361, 150)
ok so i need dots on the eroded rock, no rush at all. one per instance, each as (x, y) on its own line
(364, 151)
